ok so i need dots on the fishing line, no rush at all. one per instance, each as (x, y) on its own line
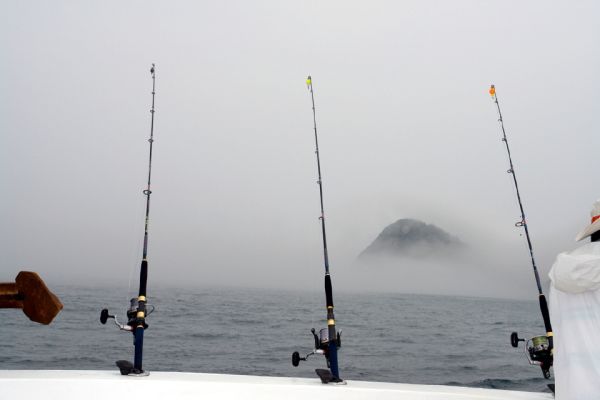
(135, 255)
(328, 341)
(545, 360)
(140, 322)
(138, 308)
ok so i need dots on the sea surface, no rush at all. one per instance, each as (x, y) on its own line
(386, 337)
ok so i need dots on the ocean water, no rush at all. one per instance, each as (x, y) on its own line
(386, 337)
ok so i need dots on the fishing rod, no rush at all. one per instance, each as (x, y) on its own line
(538, 349)
(328, 341)
(139, 308)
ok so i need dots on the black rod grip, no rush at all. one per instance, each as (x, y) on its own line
(545, 313)
(328, 291)
(143, 277)
(547, 324)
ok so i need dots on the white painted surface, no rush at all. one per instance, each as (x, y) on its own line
(102, 385)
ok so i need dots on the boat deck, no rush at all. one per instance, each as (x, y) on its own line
(65, 385)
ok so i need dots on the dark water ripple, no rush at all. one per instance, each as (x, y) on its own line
(386, 337)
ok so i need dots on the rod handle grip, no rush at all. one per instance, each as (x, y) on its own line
(328, 291)
(546, 316)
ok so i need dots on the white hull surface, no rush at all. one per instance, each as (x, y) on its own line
(103, 385)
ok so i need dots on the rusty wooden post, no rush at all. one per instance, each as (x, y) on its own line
(30, 293)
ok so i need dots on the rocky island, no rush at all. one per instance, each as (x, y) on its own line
(413, 238)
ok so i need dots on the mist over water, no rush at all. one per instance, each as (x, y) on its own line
(409, 256)
(406, 130)
(386, 337)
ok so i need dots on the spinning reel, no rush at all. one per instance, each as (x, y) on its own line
(126, 367)
(321, 347)
(537, 351)
(131, 316)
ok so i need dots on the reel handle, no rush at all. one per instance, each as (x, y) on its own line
(295, 358)
(104, 316)
(515, 339)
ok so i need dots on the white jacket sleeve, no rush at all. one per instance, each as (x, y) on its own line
(575, 315)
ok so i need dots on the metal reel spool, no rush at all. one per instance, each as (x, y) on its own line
(538, 352)
(539, 343)
(324, 336)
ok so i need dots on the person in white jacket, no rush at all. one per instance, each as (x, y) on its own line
(575, 316)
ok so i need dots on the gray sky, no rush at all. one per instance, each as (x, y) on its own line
(407, 129)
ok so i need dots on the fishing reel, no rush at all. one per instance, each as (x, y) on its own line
(321, 347)
(131, 316)
(537, 351)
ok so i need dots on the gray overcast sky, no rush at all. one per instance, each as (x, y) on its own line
(407, 129)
